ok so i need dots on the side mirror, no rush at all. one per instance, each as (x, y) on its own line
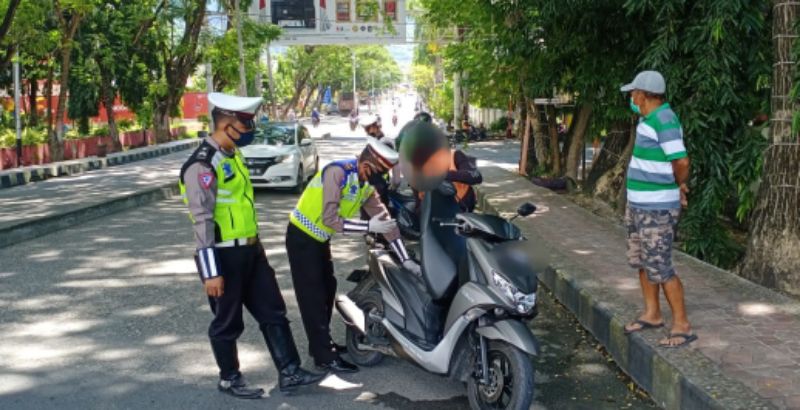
(306, 142)
(526, 209)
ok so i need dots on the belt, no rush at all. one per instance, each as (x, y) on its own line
(238, 242)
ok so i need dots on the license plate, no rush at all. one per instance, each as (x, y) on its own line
(291, 23)
(253, 171)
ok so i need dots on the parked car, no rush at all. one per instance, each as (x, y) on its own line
(283, 155)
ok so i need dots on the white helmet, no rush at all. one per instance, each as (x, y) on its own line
(367, 120)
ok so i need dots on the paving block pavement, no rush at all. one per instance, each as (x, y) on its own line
(24, 175)
(748, 352)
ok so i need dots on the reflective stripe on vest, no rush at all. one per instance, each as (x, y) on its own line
(307, 215)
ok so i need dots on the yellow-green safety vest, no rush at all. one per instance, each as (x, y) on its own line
(307, 215)
(234, 212)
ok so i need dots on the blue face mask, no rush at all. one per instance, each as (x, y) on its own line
(245, 137)
(635, 108)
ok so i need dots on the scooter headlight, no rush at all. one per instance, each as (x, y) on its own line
(522, 302)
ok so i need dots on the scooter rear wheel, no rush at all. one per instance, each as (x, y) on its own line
(371, 300)
(510, 380)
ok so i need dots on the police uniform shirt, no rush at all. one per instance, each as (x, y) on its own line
(201, 192)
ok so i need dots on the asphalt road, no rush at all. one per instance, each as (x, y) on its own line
(111, 315)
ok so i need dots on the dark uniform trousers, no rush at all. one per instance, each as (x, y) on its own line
(315, 289)
(249, 281)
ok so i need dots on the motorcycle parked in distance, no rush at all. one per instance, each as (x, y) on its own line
(464, 317)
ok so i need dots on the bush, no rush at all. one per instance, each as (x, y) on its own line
(101, 131)
(126, 125)
(187, 135)
(499, 125)
(203, 119)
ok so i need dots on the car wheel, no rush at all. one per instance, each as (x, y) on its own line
(300, 180)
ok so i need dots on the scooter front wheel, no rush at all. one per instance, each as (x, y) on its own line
(369, 301)
(510, 380)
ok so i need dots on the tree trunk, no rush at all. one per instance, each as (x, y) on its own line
(240, 46)
(310, 92)
(577, 137)
(107, 95)
(771, 258)
(525, 150)
(68, 29)
(161, 121)
(552, 128)
(48, 95)
(320, 94)
(610, 187)
(539, 137)
(610, 154)
(301, 84)
(8, 18)
(33, 115)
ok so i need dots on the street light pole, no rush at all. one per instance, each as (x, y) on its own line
(355, 97)
(17, 111)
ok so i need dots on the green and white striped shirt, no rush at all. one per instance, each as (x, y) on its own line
(651, 180)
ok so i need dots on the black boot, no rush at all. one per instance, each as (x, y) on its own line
(284, 353)
(231, 381)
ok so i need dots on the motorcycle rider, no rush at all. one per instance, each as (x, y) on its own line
(315, 116)
(462, 172)
(353, 119)
(329, 205)
(394, 118)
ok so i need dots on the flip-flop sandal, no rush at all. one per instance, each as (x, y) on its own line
(686, 340)
(644, 326)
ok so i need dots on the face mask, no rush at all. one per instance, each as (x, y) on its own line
(245, 137)
(376, 179)
(635, 108)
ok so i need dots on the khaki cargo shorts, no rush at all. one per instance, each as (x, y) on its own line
(650, 236)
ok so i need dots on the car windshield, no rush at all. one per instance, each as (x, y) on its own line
(275, 135)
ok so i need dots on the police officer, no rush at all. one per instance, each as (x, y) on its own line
(230, 258)
(329, 205)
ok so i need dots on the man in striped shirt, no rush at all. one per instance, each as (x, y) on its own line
(656, 184)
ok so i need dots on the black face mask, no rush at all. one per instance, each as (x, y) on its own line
(376, 179)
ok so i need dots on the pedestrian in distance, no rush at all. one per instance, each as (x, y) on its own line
(230, 258)
(657, 180)
(330, 205)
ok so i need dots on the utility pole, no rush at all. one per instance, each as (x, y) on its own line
(17, 111)
(242, 74)
(355, 97)
(271, 84)
(209, 90)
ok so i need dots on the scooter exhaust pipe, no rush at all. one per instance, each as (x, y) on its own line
(353, 315)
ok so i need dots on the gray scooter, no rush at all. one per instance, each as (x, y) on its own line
(465, 317)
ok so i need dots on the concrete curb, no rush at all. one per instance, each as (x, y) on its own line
(25, 175)
(29, 230)
(662, 373)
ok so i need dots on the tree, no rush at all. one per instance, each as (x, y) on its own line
(178, 56)
(8, 17)
(69, 14)
(772, 258)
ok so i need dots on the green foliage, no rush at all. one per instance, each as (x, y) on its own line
(441, 102)
(499, 124)
(101, 131)
(126, 125)
(586, 49)
(203, 119)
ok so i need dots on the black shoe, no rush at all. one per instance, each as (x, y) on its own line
(300, 377)
(338, 366)
(237, 387)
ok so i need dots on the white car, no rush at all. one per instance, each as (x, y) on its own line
(282, 155)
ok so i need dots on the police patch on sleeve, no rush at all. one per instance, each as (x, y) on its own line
(206, 179)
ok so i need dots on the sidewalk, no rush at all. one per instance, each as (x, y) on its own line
(748, 353)
(23, 175)
(33, 210)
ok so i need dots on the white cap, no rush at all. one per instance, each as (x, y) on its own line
(385, 154)
(235, 104)
(368, 120)
(649, 81)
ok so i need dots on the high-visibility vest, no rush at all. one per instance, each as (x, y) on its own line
(234, 212)
(307, 215)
